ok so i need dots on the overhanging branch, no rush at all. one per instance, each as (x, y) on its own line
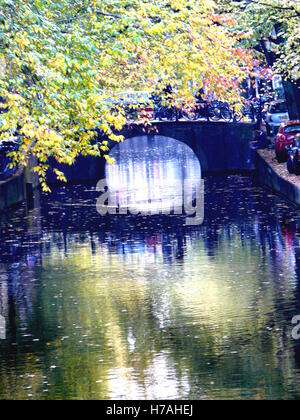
(276, 6)
(79, 15)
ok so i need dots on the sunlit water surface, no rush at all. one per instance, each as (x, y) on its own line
(141, 307)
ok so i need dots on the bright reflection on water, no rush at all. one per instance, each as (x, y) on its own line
(142, 307)
(150, 173)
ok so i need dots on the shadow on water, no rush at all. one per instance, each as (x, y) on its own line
(144, 306)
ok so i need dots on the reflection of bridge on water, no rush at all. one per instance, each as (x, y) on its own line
(66, 222)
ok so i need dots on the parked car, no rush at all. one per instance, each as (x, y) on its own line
(293, 161)
(277, 113)
(287, 133)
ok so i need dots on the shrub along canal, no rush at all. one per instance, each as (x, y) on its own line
(144, 306)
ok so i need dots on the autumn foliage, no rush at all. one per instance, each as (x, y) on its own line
(64, 62)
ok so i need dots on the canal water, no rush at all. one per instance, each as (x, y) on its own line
(146, 306)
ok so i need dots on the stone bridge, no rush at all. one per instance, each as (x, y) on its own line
(220, 147)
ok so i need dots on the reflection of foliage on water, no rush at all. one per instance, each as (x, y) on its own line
(128, 316)
(135, 312)
(236, 338)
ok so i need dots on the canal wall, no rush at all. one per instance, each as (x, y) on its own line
(12, 190)
(18, 187)
(269, 177)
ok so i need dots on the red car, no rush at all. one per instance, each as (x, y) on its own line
(287, 133)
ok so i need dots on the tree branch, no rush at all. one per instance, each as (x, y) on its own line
(277, 6)
(98, 12)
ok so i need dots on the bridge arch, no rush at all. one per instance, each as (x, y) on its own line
(219, 146)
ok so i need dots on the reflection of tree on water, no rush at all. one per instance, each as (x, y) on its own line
(3, 305)
(119, 299)
(106, 311)
(19, 254)
(131, 237)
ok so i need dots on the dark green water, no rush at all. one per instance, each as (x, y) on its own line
(144, 307)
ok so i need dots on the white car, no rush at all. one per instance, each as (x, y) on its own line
(277, 114)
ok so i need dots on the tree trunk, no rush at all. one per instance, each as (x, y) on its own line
(292, 90)
(292, 93)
